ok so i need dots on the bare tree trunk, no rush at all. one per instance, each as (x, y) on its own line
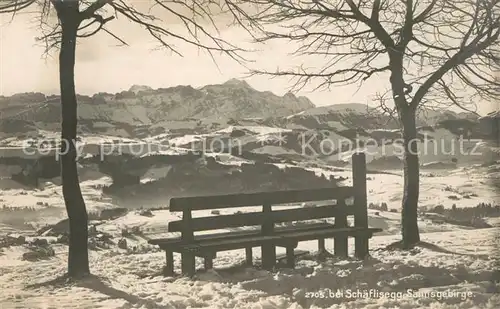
(409, 224)
(78, 261)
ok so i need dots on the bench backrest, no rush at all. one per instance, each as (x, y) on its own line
(267, 217)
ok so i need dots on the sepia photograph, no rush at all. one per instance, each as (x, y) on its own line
(249, 154)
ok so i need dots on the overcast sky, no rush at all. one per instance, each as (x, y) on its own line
(104, 67)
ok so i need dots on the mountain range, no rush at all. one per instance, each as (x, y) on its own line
(142, 111)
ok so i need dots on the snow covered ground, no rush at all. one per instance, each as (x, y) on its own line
(454, 272)
(457, 267)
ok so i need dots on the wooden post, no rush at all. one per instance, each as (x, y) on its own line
(209, 262)
(290, 257)
(187, 258)
(340, 242)
(360, 203)
(268, 250)
(188, 264)
(169, 266)
(321, 246)
(249, 257)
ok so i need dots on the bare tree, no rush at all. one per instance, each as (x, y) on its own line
(62, 24)
(432, 52)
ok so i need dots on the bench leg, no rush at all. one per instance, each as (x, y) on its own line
(188, 264)
(340, 246)
(249, 258)
(361, 246)
(268, 256)
(323, 254)
(209, 263)
(290, 257)
(168, 270)
(321, 245)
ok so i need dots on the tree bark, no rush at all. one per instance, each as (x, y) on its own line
(407, 118)
(78, 261)
(409, 224)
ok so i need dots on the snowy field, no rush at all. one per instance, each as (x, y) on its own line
(454, 272)
(463, 186)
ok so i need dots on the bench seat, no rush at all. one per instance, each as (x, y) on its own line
(288, 239)
(172, 242)
(329, 232)
(207, 246)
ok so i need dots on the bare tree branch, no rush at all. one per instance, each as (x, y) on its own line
(196, 16)
(424, 45)
(13, 6)
(90, 11)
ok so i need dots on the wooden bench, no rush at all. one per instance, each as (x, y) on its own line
(267, 235)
